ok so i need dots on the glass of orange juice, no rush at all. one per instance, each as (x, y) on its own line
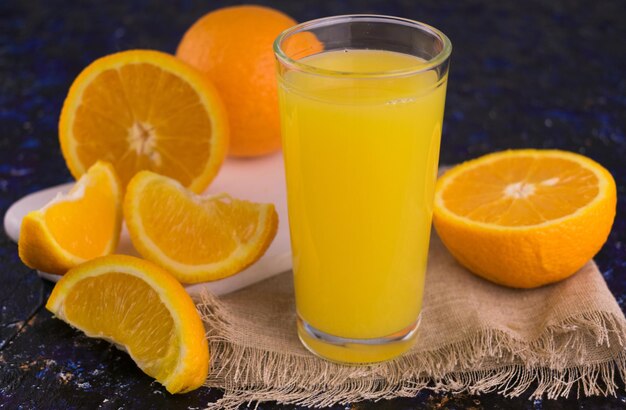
(361, 103)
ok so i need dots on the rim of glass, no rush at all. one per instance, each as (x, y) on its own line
(327, 21)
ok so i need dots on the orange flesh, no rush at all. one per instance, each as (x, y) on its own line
(147, 335)
(156, 114)
(521, 191)
(212, 229)
(85, 227)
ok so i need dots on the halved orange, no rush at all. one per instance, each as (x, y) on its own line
(141, 309)
(142, 109)
(195, 238)
(525, 218)
(76, 227)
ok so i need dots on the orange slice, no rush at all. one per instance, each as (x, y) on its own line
(75, 227)
(143, 109)
(195, 238)
(143, 310)
(525, 218)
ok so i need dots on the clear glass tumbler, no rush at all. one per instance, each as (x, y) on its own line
(361, 101)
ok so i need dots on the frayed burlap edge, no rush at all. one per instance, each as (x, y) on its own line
(487, 361)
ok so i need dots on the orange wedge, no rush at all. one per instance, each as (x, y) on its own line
(195, 238)
(76, 227)
(143, 310)
(525, 218)
(144, 109)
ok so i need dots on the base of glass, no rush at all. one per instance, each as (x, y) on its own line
(356, 351)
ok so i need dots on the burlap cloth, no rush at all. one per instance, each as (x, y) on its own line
(474, 336)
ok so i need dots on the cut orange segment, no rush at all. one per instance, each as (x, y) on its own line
(143, 310)
(195, 238)
(76, 227)
(525, 218)
(142, 109)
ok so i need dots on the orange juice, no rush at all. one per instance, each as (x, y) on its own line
(361, 156)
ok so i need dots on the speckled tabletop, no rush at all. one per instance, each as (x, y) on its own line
(524, 74)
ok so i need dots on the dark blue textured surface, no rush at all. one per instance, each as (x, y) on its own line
(523, 74)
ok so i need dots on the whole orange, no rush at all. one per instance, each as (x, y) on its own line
(233, 46)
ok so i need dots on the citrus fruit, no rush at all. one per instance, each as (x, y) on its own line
(142, 109)
(72, 228)
(143, 310)
(525, 218)
(195, 238)
(233, 46)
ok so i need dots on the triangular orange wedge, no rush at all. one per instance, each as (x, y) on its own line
(143, 310)
(76, 227)
(195, 238)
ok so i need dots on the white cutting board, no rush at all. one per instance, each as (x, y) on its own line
(259, 179)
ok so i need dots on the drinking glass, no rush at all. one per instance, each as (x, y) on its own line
(361, 102)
